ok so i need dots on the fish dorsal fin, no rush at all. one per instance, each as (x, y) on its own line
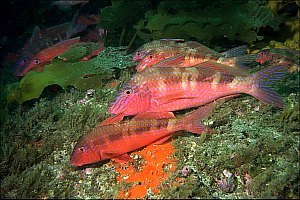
(200, 47)
(34, 45)
(36, 35)
(213, 67)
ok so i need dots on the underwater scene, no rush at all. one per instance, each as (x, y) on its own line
(150, 99)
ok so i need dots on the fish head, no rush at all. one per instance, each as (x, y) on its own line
(263, 56)
(131, 100)
(139, 55)
(20, 66)
(24, 65)
(149, 60)
(85, 153)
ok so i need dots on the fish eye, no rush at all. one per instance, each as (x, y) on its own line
(36, 61)
(81, 149)
(262, 53)
(138, 54)
(151, 56)
(127, 92)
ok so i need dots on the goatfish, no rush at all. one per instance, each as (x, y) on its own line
(157, 50)
(168, 89)
(186, 57)
(116, 140)
(46, 55)
(176, 44)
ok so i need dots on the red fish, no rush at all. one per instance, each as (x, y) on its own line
(41, 39)
(189, 58)
(171, 47)
(47, 55)
(177, 56)
(168, 89)
(116, 140)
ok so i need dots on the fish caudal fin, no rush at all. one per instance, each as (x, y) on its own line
(191, 121)
(263, 81)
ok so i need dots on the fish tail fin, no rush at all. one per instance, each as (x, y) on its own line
(236, 51)
(191, 121)
(262, 85)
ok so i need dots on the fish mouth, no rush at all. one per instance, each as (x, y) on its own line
(74, 162)
(18, 68)
(112, 109)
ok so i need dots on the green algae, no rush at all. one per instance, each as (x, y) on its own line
(74, 54)
(178, 20)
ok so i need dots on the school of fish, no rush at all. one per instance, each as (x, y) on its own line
(46, 44)
(174, 75)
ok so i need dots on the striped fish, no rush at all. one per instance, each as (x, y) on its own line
(186, 57)
(116, 140)
(168, 89)
(177, 53)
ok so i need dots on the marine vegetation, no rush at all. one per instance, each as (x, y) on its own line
(68, 70)
(177, 19)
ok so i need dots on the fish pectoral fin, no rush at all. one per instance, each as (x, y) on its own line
(155, 115)
(112, 120)
(162, 140)
(122, 158)
(174, 97)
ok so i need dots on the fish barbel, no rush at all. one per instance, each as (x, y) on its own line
(170, 89)
(116, 140)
